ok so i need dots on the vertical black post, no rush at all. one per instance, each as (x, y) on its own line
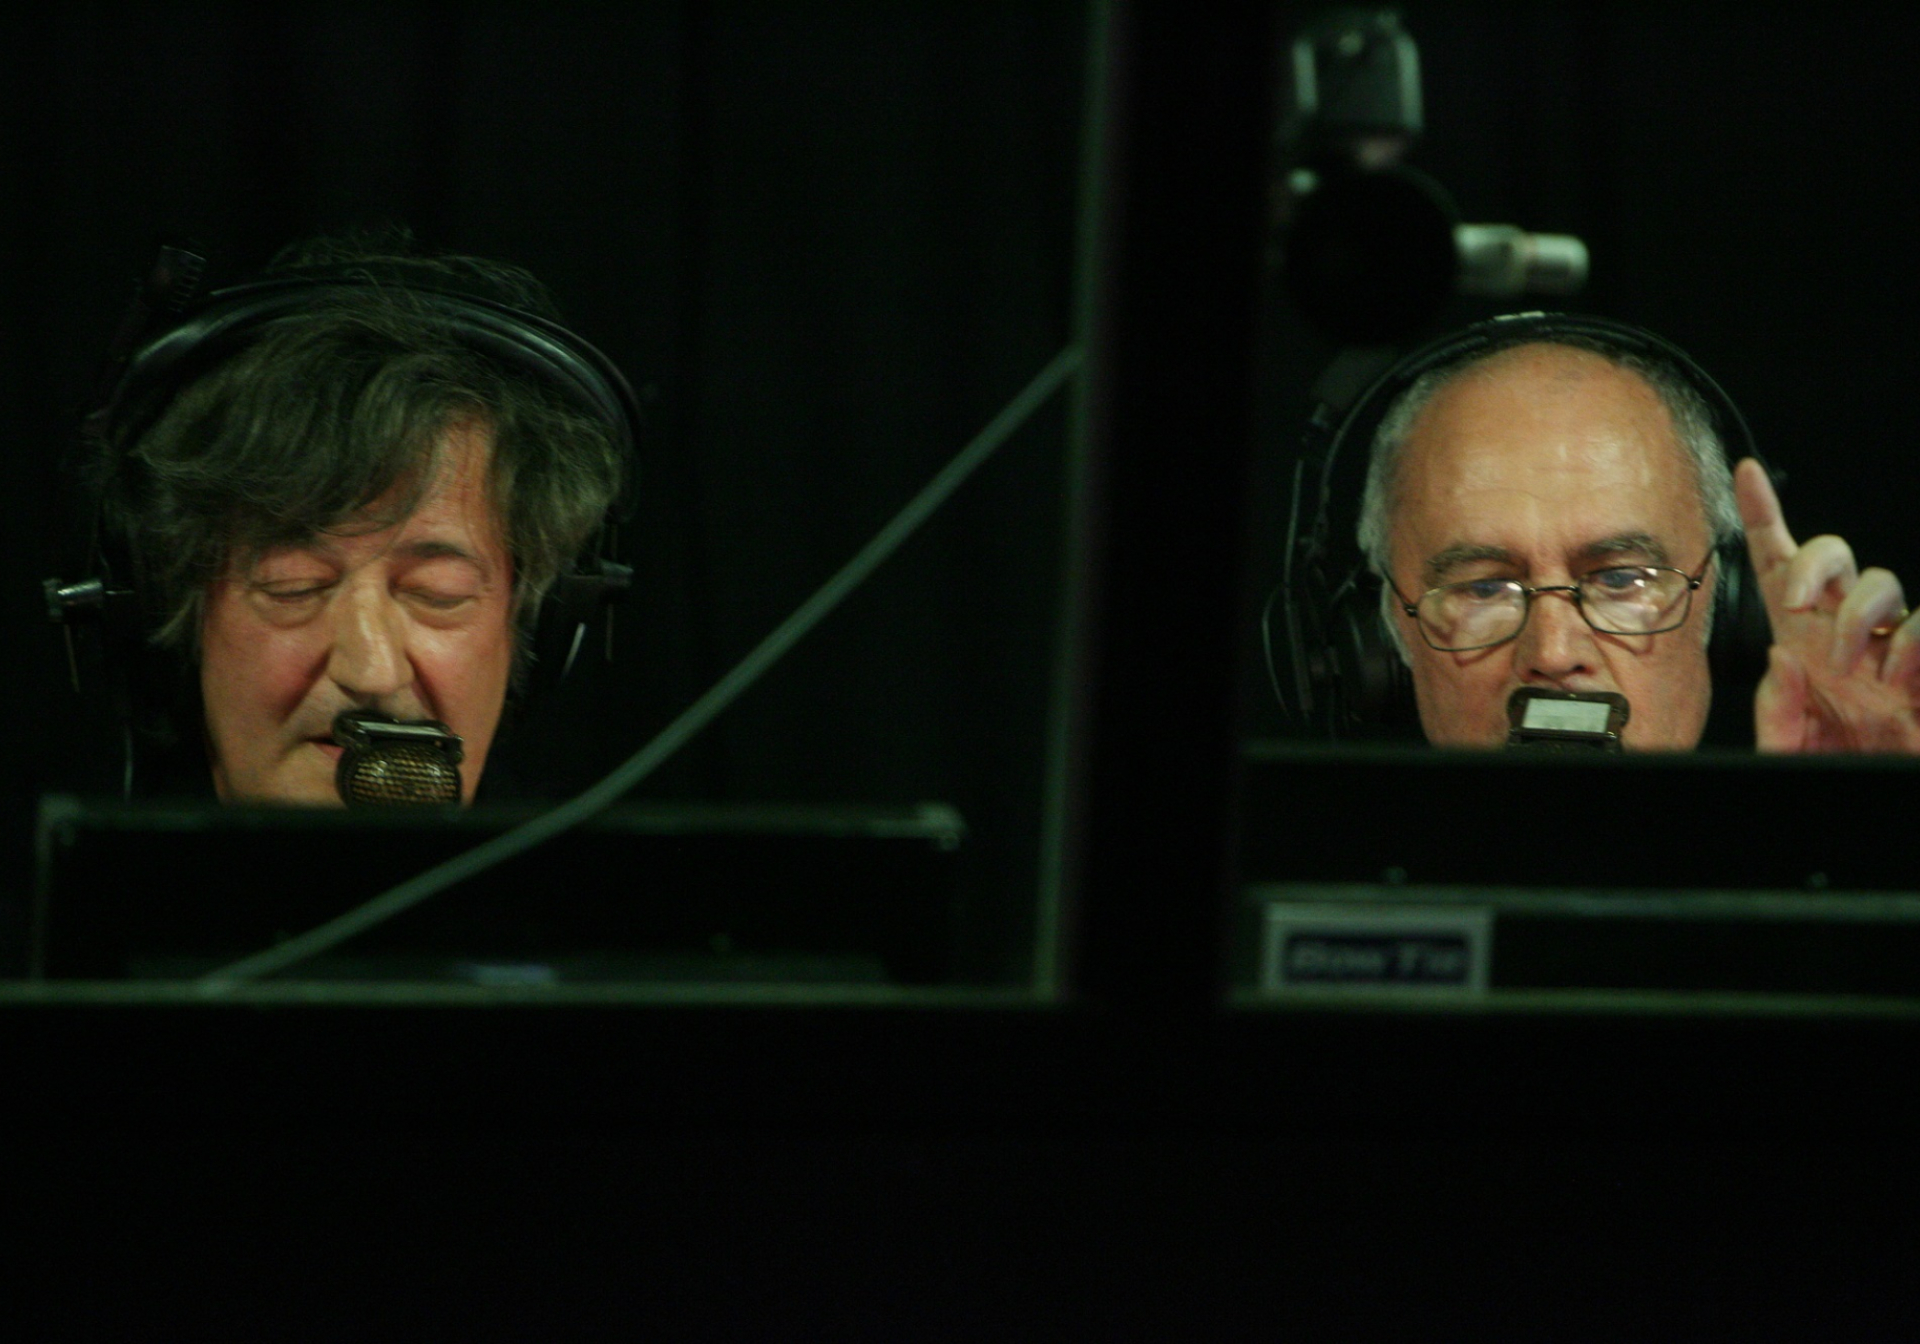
(1167, 426)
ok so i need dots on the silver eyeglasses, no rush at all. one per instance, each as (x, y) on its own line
(1618, 600)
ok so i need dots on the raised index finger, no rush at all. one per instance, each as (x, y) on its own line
(1769, 545)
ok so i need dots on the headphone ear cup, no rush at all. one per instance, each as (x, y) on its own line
(1371, 689)
(577, 602)
(1737, 650)
(1303, 606)
(1742, 633)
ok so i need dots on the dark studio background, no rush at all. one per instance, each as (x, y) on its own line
(828, 241)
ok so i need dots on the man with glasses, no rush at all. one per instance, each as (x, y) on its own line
(1549, 516)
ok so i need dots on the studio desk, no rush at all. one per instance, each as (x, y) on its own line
(1418, 943)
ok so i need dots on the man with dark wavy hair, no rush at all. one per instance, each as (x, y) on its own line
(360, 508)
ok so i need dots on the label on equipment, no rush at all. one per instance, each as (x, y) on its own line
(1436, 949)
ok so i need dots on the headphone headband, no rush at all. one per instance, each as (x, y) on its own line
(1362, 420)
(223, 322)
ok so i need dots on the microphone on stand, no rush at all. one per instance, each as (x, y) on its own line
(387, 762)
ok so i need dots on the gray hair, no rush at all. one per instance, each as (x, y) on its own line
(1686, 407)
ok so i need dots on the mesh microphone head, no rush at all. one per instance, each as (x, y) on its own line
(388, 762)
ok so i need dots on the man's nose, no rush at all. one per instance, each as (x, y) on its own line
(1557, 642)
(369, 659)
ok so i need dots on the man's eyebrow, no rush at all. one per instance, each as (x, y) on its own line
(1443, 563)
(421, 548)
(1626, 543)
(427, 549)
(254, 556)
(1641, 545)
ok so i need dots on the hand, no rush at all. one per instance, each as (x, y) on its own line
(1844, 670)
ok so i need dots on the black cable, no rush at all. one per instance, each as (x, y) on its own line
(643, 762)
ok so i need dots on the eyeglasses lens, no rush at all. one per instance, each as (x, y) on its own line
(1629, 600)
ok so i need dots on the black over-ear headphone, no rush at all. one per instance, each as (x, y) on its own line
(169, 340)
(1336, 672)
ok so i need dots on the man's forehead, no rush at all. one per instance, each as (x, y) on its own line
(402, 543)
(1545, 408)
(448, 507)
(1546, 451)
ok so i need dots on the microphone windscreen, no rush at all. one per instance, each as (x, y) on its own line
(1563, 720)
(387, 763)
